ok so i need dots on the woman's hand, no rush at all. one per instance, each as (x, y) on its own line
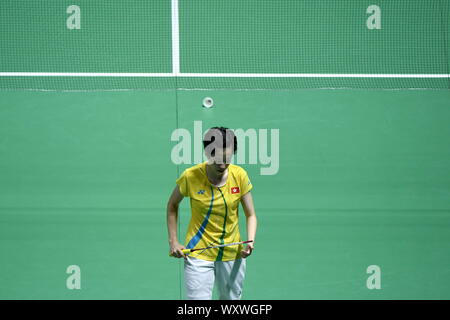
(175, 250)
(248, 250)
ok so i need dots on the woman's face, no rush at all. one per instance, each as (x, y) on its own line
(221, 160)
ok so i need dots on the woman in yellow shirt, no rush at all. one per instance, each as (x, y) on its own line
(215, 188)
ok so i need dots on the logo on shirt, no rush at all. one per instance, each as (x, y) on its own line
(201, 192)
(234, 190)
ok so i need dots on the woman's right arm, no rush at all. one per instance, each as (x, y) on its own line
(172, 217)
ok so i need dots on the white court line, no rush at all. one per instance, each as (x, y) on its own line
(311, 75)
(82, 74)
(220, 75)
(175, 39)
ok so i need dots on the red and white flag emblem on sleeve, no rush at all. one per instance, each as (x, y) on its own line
(234, 190)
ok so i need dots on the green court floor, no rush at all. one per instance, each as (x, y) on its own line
(362, 181)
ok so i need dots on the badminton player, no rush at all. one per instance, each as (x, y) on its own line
(215, 188)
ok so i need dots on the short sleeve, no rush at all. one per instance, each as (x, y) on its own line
(246, 184)
(182, 183)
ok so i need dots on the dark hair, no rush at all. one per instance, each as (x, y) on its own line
(228, 138)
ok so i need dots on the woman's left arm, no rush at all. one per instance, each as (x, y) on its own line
(249, 209)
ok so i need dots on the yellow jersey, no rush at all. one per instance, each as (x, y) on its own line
(214, 211)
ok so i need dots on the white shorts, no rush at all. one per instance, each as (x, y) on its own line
(200, 276)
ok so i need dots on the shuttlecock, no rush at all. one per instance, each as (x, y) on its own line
(208, 102)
